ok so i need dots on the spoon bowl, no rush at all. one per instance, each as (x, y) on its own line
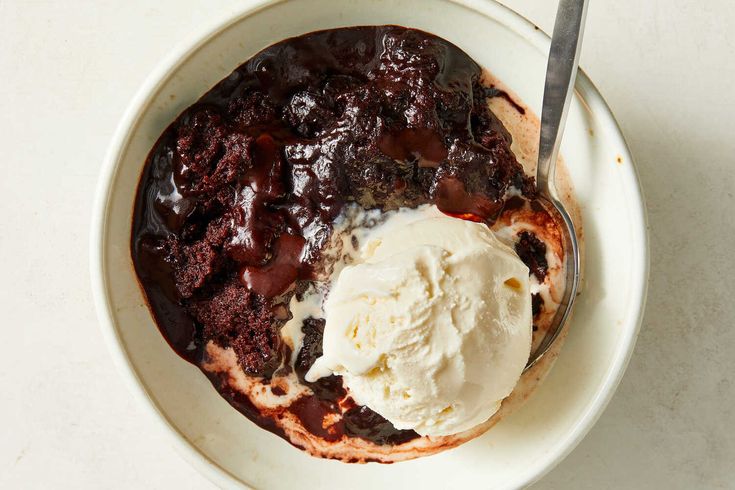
(561, 72)
(572, 265)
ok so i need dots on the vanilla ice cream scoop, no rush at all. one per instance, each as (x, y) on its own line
(430, 326)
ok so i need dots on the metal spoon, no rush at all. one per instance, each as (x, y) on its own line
(561, 71)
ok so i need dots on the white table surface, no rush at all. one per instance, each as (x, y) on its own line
(67, 71)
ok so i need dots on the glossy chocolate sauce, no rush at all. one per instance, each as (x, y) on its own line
(239, 194)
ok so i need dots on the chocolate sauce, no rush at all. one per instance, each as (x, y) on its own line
(362, 422)
(537, 304)
(532, 252)
(496, 92)
(243, 404)
(238, 196)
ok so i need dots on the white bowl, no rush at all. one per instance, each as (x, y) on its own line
(233, 451)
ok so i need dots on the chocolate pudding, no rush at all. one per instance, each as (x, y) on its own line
(237, 205)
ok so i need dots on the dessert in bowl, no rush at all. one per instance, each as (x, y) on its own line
(315, 233)
(222, 361)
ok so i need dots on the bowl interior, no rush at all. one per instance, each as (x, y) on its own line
(522, 447)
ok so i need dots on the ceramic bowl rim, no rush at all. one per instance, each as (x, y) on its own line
(141, 103)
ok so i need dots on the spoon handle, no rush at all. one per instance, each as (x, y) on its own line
(561, 71)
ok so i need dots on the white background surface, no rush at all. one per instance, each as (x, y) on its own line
(68, 70)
